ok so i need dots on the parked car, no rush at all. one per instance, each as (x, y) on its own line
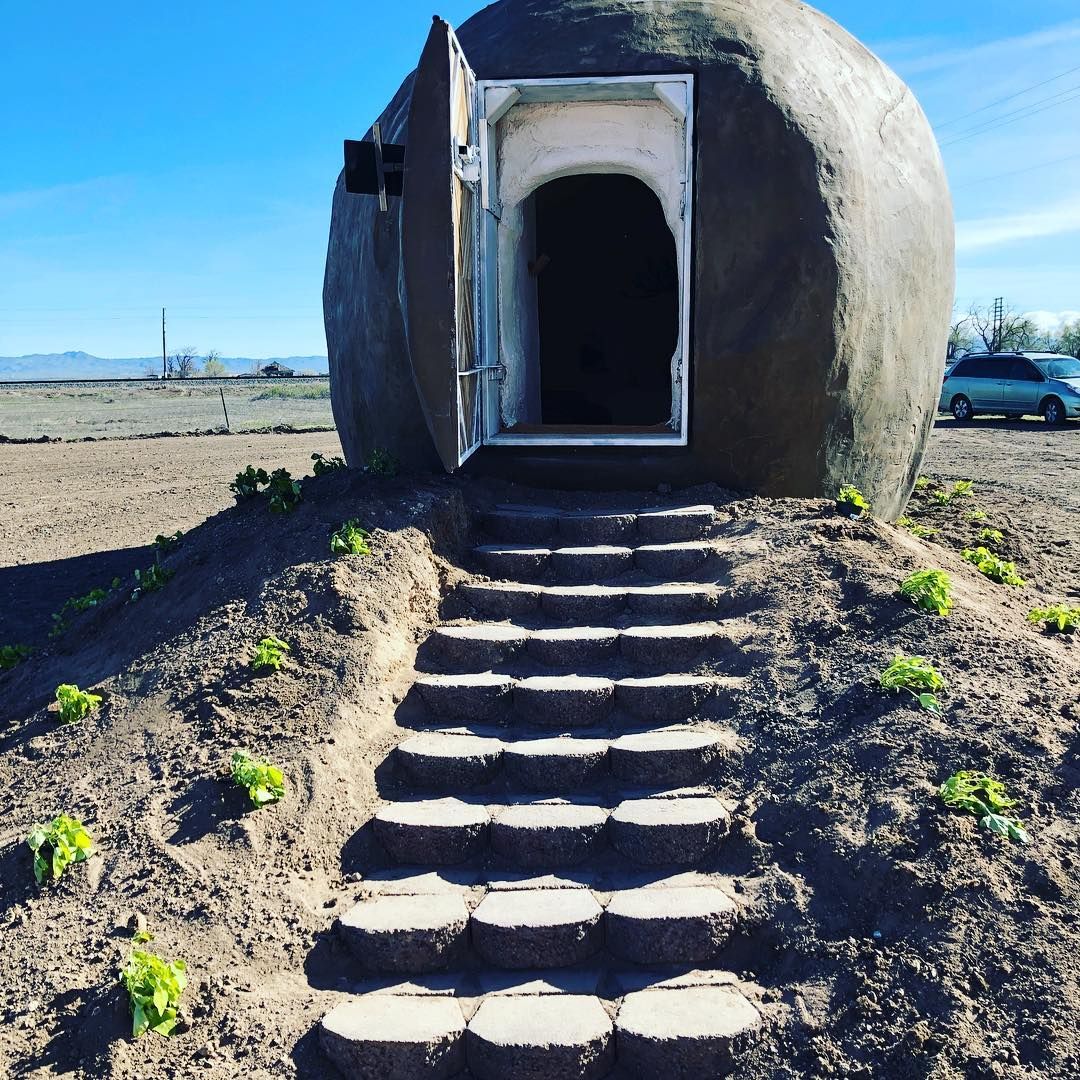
(1013, 384)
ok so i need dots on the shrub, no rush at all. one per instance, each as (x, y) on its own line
(986, 562)
(10, 655)
(930, 590)
(916, 675)
(981, 794)
(350, 539)
(154, 988)
(57, 845)
(264, 782)
(269, 653)
(1057, 619)
(75, 704)
(851, 502)
(284, 492)
(247, 483)
(326, 465)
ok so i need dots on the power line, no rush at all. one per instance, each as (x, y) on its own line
(1000, 122)
(996, 120)
(1015, 172)
(1009, 97)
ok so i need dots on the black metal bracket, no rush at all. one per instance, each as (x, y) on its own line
(373, 167)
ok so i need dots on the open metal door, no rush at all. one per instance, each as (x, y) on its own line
(440, 247)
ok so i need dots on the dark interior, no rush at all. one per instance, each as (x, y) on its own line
(607, 300)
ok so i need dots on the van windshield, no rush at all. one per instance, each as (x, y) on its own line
(1065, 368)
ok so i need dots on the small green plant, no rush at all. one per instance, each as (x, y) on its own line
(269, 653)
(922, 532)
(981, 794)
(851, 502)
(264, 782)
(381, 462)
(247, 483)
(350, 539)
(916, 675)
(1057, 619)
(10, 655)
(962, 489)
(57, 845)
(75, 704)
(164, 544)
(76, 605)
(991, 536)
(930, 590)
(153, 578)
(284, 492)
(155, 988)
(986, 562)
(326, 465)
(922, 483)
(976, 515)
(941, 496)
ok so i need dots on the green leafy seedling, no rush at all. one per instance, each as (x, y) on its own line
(10, 655)
(851, 502)
(962, 489)
(264, 782)
(986, 562)
(76, 605)
(916, 675)
(57, 845)
(75, 704)
(350, 539)
(247, 483)
(976, 515)
(922, 532)
(326, 464)
(284, 492)
(1057, 618)
(381, 462)
(153, 578)
(941, 496)
(155, 988)
(922, 483)
(930, 590)
(991, 536)
(165, 544)
(981, 794)
(269, 654)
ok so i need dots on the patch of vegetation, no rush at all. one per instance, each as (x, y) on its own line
(247, 483)
(284, 492)
(851, 502)
(326, 464)
(155, 988)
(164, 544)
(1058, 618)
(269, 654)
(57, 845)
(153, 578)
(996, 569)
(930, 590)
(75, 704)
(350, 539)
(922, 532)
(294, 392)
(76, 605)
(981, 794)
(991, 536)
(916, 675)
(977, 514)
(10, 655)
(264, 782)
(381, 462)
(922, 483)
(962, 489)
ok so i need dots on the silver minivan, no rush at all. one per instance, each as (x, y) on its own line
(1013, 384)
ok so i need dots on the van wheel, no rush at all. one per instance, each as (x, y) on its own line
(1053, 411)
(961, 407)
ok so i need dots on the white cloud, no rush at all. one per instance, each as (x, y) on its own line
(981, 233)
(98, 187)
(1052, 321)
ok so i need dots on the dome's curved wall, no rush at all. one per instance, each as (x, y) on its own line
(823, 253)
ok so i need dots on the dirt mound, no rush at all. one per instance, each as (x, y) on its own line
(900, 939)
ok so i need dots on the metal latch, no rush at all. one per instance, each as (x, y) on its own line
(468, 163)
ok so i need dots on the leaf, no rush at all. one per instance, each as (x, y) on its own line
(139, 1022)
(930, 703)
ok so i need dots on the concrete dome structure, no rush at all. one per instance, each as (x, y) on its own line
(676, 241)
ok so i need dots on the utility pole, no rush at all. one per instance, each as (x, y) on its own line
(164, 366)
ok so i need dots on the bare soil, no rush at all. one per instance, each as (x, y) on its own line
(896, 939)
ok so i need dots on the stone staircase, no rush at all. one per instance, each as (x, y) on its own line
(553, 909)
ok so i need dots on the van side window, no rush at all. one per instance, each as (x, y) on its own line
(1023, 371)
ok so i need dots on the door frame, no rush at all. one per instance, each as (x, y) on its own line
(676, 93)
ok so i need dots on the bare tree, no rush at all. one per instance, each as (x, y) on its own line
(1013, 333)
(212, 367)
(960, 340)
(151, 369)
(1069, 339)
(183, 364)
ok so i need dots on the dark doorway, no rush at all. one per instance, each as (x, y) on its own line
(607, 302)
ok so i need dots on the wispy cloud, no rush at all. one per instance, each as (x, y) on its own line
(1053, 321)
(1055, 220)
(16, 202)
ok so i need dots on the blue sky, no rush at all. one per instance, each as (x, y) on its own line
(184, 155)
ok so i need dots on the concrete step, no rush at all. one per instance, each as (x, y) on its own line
(471, 697)
(521, 524)
(537, 928)
(680, 925)
(446, 761)
(548, 834)
(665, 698)
(595, 563)
(440, 832)
(418, 933)
(674, 832)
(476, 647)
(588, 605)
(564, 701)
(573, 646)
(540, 1038)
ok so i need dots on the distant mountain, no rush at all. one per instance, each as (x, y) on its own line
(81, 365)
